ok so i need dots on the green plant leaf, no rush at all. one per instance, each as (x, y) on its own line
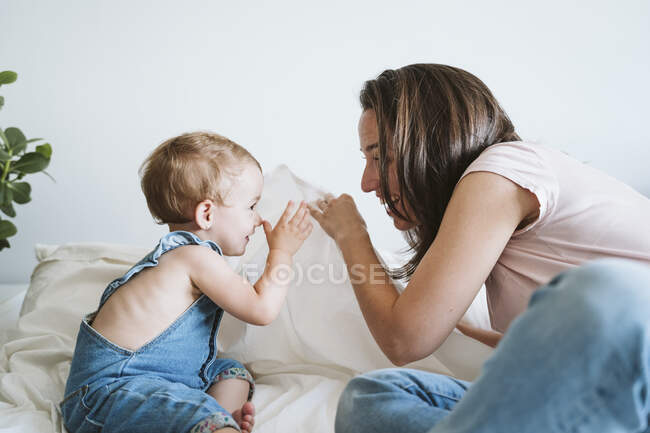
(4, 244)
(44, 149)
(15, 136)
(7, 229)
(5, 141)
(4, 156)
(6, 195)
(2, 102)
(8, 210)
(31, 162)
(7, 77)
(18, 148)
(21, 191)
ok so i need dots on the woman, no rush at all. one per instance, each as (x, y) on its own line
(478, 205)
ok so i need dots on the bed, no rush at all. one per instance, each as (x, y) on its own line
(301, 362)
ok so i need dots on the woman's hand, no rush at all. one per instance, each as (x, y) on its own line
(339, 217)
(289, 233)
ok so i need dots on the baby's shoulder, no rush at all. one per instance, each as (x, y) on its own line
(199, 263)
(192, 256)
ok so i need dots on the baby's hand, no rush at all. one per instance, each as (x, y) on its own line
(289, 234)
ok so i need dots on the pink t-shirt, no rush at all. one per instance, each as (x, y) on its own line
(584, 214)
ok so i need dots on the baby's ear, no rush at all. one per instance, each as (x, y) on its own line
(204, 214)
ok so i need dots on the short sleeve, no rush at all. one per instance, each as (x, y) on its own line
(525, 165)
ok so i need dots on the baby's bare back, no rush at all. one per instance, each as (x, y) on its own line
(143, 307)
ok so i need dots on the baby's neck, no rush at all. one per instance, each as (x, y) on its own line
(187, 227)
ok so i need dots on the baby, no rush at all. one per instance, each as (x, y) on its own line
(146, 360)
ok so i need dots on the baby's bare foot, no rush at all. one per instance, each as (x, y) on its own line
(245, 417)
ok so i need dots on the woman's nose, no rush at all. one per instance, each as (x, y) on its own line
(370, 178)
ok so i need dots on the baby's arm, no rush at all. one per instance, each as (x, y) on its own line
(257, 304)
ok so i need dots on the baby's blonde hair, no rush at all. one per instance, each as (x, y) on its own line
(190, 168)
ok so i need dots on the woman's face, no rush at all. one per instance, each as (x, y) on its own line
(369, 140)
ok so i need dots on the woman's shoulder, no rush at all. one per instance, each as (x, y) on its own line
(525, 163)
(528, 165)
(513, 152)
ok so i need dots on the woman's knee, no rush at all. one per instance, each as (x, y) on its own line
(357, 399)
(388, 379)
(372, 382)
(609, 294)
(380, 390)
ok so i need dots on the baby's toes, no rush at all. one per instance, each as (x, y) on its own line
(248, 408)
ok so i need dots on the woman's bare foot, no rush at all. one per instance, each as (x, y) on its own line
(245, 417)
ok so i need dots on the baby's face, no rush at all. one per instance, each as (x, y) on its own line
(236, 220)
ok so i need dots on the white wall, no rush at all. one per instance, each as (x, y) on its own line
(105, 82)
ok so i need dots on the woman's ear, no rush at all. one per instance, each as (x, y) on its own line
(203, 214)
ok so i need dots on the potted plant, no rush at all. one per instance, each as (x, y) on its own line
(15, 163)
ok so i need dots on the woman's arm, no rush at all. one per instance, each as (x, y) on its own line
(482, 214)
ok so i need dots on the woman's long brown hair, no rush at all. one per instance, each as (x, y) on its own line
(433, 121)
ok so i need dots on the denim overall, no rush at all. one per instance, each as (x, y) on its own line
(161, 387)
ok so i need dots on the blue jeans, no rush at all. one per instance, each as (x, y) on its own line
(578, 360)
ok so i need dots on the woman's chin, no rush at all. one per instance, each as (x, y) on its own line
(401, 224)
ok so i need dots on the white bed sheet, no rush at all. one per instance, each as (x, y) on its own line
(10, 306)
(301, 362)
